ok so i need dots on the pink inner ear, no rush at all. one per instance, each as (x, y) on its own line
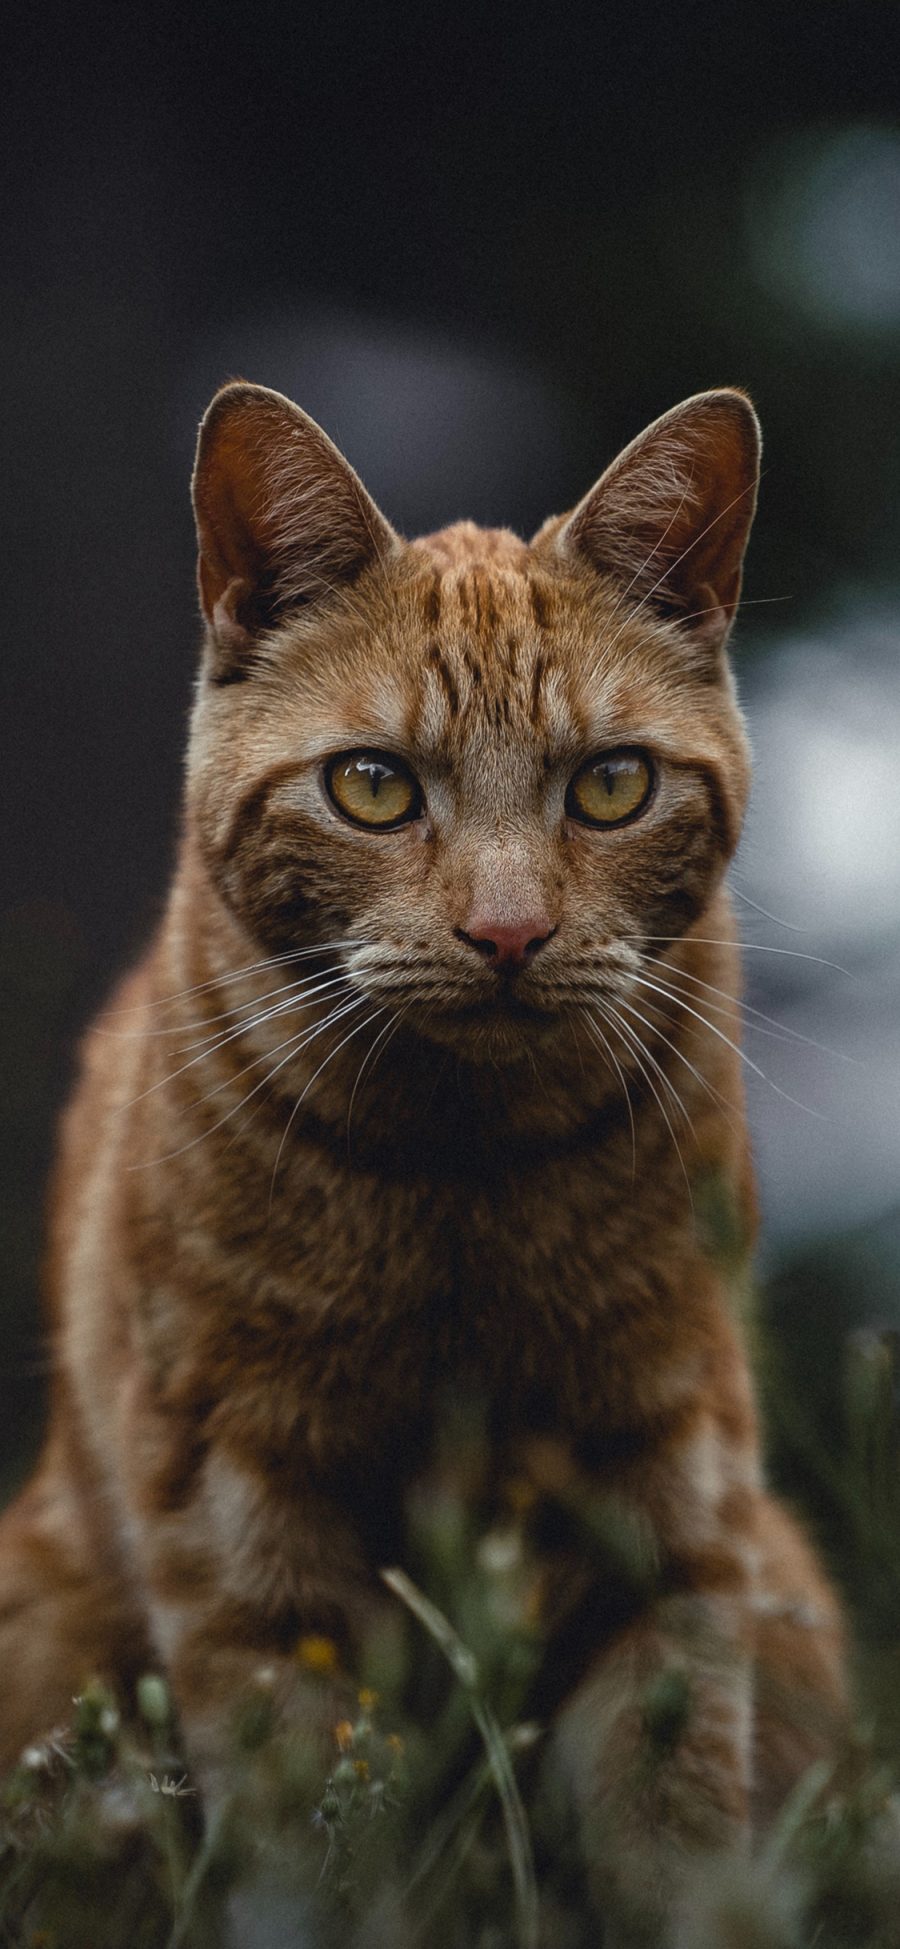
(709, 618)
(671, 516)
(230, 633)
(281, 516)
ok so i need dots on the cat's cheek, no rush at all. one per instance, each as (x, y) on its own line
(659, 883)
(284, 897)
(684, 886)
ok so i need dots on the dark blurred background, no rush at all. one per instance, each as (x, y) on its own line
(484, 247)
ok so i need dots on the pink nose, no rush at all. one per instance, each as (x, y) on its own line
(507, 947)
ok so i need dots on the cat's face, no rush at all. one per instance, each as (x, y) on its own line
(492, 772)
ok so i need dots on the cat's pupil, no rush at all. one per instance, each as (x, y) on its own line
(375, 773)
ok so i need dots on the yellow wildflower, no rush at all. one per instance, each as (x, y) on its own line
(368, 1699)
(343, 1733)
(317, 1654)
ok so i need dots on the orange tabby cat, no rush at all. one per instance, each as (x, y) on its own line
(425, 1080)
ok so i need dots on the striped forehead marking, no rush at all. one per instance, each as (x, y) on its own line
(487, 658)
(473, 597)
(437, 661)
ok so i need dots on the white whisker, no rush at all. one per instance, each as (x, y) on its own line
(743, 947)
(791, 926)
(654, 551)
(666, 1081)
(299, 995)
(314, 1079)
(574, 1033)
(738, 1051)
(606, 1047)
(640, 1052)
(714, 1094)
(223, 1040)
(184, 1028)
(780, 1031)
(388, 1031)
(297, 1042)
(672, 566)
(754, 602)
(237, 974)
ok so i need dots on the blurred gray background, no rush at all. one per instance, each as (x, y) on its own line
(483, 247)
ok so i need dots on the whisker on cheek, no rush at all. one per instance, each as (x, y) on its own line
(367, 1023)
(233, 1034)
(779, 1030)
(294, 1045)
(654, 1028)
(742, 947)
(607, 1050)
(643, 1057)
(380, 1043)
(729, 1044)
(236, 974)
(245, 1009)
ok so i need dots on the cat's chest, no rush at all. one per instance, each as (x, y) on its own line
(406, 1246)
(392, 1311)
(331, 1332)
(502, 1285)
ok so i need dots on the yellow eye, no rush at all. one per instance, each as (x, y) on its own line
(373, 789)
(610, 788)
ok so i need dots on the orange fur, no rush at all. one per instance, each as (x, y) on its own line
(268, 1262)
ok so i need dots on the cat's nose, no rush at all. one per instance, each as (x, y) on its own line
(506, 947)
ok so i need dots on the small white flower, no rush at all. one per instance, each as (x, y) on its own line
(173, 1789)
(500, 1551)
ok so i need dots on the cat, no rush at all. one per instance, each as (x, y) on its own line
(428, 1078)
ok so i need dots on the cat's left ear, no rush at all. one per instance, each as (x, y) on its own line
(670, 518)
(282, 519)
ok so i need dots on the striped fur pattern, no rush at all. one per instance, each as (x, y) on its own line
(323, 1164)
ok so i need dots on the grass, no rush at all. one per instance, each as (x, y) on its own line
(436, 1823)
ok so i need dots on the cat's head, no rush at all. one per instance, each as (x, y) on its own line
(494, 771)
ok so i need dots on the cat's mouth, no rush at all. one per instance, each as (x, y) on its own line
(501, 1027)
(506, 1006)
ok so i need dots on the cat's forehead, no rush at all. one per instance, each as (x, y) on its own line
(464, 546)
(499, 647)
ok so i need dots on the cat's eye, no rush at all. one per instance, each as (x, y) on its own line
(373, 789)
(611, 788)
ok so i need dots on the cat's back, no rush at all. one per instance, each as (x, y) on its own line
(67, 1606)
(87, 1180)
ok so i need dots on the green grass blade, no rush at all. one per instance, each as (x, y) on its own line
(464, 1665)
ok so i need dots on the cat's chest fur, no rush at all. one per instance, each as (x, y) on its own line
(321, 1339)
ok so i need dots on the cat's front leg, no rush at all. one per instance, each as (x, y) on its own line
(260, 1604)
(656, 1740)
(265, 1702)
(237, 1683)
(656, 1749)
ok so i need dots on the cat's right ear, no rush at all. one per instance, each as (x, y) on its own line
(670, 518)
(282, 520)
